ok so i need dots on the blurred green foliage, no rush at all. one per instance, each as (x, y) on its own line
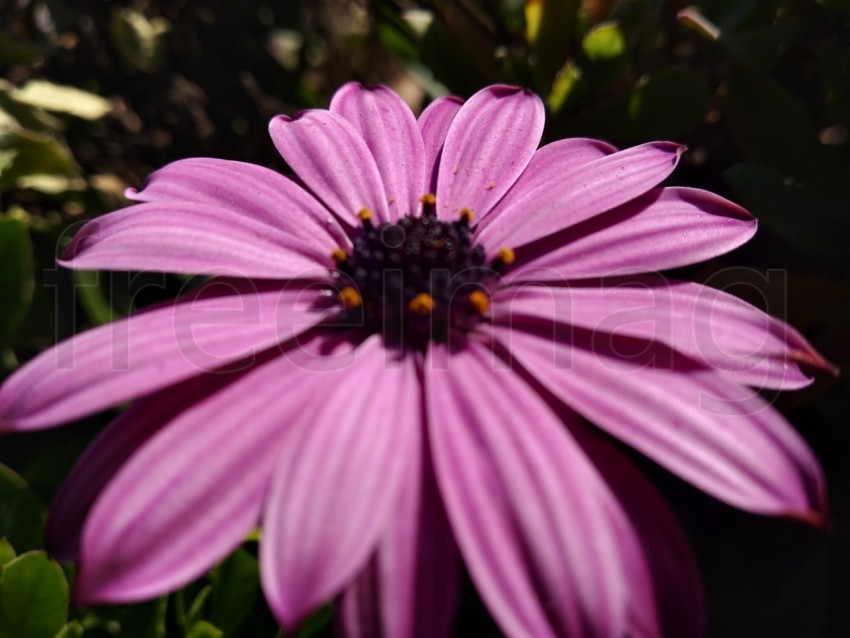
(95, 95)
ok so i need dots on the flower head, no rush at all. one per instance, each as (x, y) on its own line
(392, 369)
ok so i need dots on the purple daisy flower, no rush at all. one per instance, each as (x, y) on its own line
(390, 369)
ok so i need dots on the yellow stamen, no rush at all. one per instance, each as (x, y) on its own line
(364, 214)
(466, 216)
(339, 255)
(429, 199)
(480, 301)
(507, 255)
(350, 298)
(422, 304)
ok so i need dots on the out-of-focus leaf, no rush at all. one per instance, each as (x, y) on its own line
(315, 623)
(773, 128)
(33, 597)
(97, 307)
(16, 277)
(7, 552)
(64, 99)
(551, 32)
(285, 46)
(204, 629)
(193, 615)
(16, 52)
(72, 630)
(834, 58)
(35, 154)
(51, 184)
(564, 89)
(671, 103)
(142, 620)
(801, 214)
(604, 42)
(138, 39)
(21, 511)
(235, 590)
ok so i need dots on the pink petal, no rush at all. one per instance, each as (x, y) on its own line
(547, 200)
(245, 189)
(409, 588)
(713, 328)
(489, 144)
(720, 436)
(333, 160)
(195, 489)
(392, 135)
(111, 449)
(434, 123)
(534, 521)
(193, 238)
(666, 228)
(336, 483)
(675, 576)
(216, 324)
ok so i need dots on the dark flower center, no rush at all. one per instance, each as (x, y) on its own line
(416, 280)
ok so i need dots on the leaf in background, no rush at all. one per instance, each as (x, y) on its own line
(802, 215)
(670, 104)
(834, 58)
(565, 89)
(16, 52)
(72, 630)
(33, 597)
(604, 42)
(204, 629)
(236, 589)
(7, 552)
(773, 128)
(142, 620)
(87, 286)
(551, 32)
(138, 39)
(21, 511)
(36, 154)
(64, 99)
(16, 277)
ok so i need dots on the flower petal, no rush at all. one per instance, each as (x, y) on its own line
(720, 436)
(332, 159)
(198, 483)
(409, 588)
(666, 228)
(533, 519)
(709, 326)
(392, 135)
(489, 144)
(675, 576)
(434, 123)
(214, 325)
(336, 483)
(246, 189)
(547, 200)
(111, 449)
(192, 238)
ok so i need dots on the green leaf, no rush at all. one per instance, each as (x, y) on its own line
(35, 154)
(16, 277)
(89, 292)
(72, 630)
(62, 99)
(138, 39)
(193, 615)
(236, 589)
(33, 597)
(565, 88)
(204, 629)
(670, 104)
(551, 32)
(799, 213)
(605, 41)
(7, 552)
(21, 511)
(142, 620)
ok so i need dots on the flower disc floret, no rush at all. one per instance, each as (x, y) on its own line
(419, 278)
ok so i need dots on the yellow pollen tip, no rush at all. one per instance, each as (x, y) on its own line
(466, 215)
(339, 255)
(422, 304)
(429, 199)
(480, 301)
(350, 298)
(364, 214)
(507, 255)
